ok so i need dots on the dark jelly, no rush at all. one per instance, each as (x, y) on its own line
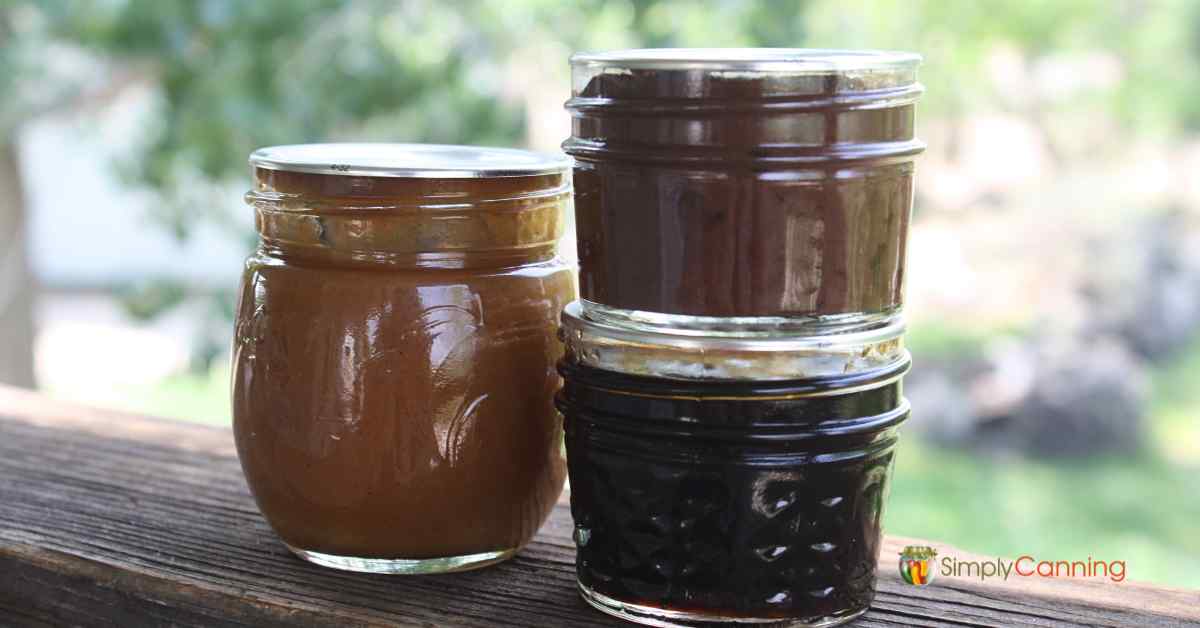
(727, 500)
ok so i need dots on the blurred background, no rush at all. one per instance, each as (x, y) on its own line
(1055, 258)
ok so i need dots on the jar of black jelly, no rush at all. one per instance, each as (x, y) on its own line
(729, 479)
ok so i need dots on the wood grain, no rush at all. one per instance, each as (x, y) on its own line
(110, 519)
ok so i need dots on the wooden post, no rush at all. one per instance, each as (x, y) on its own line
(16, 285)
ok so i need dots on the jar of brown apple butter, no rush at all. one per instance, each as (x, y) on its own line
(743, 189)
(394, 352)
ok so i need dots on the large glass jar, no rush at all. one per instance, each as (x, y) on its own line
(754, 190)
(394, 356)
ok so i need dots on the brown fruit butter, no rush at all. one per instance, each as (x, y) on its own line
(394, 359)
(771, 184)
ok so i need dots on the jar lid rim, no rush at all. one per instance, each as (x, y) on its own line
(684, 354)
(811, 61)
(420, 161)
(574, 318)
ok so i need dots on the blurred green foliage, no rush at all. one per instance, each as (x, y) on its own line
(237, 75)
(945, 339)
(1174, 405)
(145, 300)
(1141, 511)
(1156, 45)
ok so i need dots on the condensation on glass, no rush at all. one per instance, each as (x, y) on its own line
(394, 356)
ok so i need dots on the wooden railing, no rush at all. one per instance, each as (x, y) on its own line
(111, 519)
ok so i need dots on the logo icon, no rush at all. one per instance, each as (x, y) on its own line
(915, 565)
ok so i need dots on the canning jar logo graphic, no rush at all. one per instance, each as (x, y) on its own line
(916, 564)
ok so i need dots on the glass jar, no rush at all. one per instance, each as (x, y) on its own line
(743, 190)
(729, 480)
(394, 352)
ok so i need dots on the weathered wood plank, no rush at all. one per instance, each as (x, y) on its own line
(110, 519)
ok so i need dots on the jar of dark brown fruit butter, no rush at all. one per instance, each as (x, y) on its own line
(744, 190)
(394, 357)
(729, 479)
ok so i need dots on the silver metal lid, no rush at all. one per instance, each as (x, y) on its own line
(421, 161)
(613, 347)
(788, 60)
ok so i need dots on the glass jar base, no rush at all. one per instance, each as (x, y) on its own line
(405, 566)
(664, 618)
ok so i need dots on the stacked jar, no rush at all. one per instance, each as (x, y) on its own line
(732, 371)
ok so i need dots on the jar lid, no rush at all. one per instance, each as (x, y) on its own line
(691, 73)
(421, 161)
(660, 353)
(789, 60)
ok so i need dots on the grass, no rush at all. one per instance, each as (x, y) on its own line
(1175, 411)
(1144, 509)
(196, 397)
